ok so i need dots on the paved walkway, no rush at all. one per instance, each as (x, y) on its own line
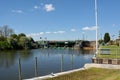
(107, 66)
(86, 66)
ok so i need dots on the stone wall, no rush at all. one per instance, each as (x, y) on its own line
(106, 61)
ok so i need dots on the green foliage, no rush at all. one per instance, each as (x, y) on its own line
(23, 41)
(4, 45)
(8, 40)
(13, 36)
(106, 37)
(21, 34)
(2, 38)
(100, 41)
(15, 41)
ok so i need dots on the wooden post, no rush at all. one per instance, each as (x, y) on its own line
(62, 63)
(72, 61)
(19, 69)
(36, 68)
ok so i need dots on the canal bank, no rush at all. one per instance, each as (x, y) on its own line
(86, 66)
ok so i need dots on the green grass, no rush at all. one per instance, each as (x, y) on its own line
(114, 52)
(91, 74)
(110, 46)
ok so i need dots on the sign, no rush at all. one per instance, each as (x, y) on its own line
(104, 51)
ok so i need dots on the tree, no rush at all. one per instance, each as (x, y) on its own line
(13, 41)
(13, 36)
(6, 31)
(23, 42)
(2, 38)
(100, 41)
(21, 35)
(106, 37)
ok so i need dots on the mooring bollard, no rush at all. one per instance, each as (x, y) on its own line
(19, 69)
(36, 68)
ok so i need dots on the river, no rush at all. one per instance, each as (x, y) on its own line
(48, 61)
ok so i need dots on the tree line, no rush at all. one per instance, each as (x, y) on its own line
(9, 40)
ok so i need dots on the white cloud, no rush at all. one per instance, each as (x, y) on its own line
(55, 32)
(89, 28)
(49, 7)
(59, 32)
(36, 7)
(41, 33)
(35, 34)
(73, 30)
(18, 11)
(48, 32)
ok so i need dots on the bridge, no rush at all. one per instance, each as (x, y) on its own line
(77, 44)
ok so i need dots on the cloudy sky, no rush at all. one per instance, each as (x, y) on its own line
(60, 19)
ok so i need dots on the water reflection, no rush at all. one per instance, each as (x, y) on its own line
(25, 54)
(7, 59)
(48, 61)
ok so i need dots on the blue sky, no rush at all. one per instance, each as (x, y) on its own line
(60, 19)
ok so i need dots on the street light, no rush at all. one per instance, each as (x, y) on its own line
(96, 24)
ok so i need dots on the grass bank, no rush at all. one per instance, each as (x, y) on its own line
(114, 52)
(91, 74)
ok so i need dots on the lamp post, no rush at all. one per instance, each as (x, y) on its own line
(96, 24)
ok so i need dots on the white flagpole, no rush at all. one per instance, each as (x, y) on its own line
(96, 24)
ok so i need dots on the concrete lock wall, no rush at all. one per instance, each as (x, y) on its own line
(106, 61)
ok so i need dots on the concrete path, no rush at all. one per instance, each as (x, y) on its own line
(107, 66)
(86, 66)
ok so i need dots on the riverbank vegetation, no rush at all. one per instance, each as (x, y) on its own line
(91, 74)
(9, 40)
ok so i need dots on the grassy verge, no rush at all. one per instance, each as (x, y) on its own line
(91, 74)
(114, 52)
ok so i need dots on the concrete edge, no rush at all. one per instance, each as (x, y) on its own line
(55, 75)
(86, 66)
